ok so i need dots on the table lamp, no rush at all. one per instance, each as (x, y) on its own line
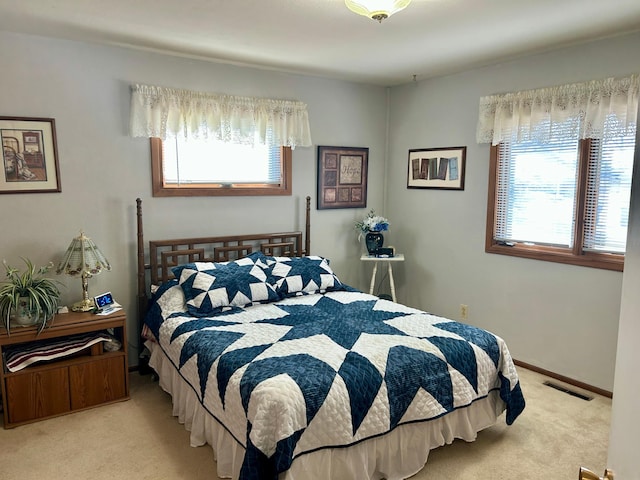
(83, 258)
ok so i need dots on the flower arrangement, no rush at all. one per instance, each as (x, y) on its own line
(372, 223)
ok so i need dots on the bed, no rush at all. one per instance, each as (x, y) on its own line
(290, 374)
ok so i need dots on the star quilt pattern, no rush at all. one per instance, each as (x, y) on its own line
(210, 287)
(309, 372)
(301, 275)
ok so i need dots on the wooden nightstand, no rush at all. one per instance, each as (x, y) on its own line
(86, 379)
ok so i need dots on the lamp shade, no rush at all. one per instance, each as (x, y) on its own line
(84, 259)
(376, 9)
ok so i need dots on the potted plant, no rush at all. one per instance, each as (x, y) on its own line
(28, 297)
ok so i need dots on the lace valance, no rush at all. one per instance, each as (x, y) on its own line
(596, 109)
(169, 112)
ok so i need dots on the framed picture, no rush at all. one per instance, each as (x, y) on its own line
(342, 177)
(437, 168)
(29, 155)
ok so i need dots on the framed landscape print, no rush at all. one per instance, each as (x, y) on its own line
(29, 155)
(437, 168)
(342, 177)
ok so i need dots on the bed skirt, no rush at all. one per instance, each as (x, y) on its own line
(396, 455)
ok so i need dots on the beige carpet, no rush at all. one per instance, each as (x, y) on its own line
(139, 439)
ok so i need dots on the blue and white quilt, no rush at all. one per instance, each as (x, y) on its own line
(329, 369)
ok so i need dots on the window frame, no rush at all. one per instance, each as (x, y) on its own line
(160, 189)
(573, 256)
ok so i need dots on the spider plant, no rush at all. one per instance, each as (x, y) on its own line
(39, 294)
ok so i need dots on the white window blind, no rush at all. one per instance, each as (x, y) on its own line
(608, 195)
(215, 162)
(536, 192)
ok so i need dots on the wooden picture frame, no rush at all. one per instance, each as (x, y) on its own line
(29, 155)
(441, 168)
(342, 177)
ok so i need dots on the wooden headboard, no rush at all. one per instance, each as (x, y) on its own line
(166, 254)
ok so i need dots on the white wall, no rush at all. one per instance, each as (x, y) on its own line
(625, 419)
(85, 88)
(558, 317)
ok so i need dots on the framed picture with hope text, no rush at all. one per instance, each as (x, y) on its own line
(342, 177)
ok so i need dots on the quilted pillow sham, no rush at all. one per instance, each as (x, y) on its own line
(209, 287)
(291, 276)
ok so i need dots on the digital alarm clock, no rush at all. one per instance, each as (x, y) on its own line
(104, 301)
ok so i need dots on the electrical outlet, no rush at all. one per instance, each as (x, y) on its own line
(464, 311)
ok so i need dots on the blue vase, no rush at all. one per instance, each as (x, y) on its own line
(373, 240)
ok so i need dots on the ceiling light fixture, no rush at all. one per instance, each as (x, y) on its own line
(376, 9)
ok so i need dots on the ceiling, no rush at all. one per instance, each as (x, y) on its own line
(322, 37)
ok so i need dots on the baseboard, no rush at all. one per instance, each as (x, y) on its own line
(562, 378)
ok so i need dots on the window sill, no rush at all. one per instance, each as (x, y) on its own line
(606, 261)
(201, 191)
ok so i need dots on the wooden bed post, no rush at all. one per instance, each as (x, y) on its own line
(307, 228)
(142, 291)
(143, 360)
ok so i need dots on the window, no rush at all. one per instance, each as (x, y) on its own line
(165, 113)
(202, 168)
(564, 201)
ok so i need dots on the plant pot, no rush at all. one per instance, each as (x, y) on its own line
(24, 316)
(373, 240)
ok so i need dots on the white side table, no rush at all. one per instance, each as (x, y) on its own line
(399, 257)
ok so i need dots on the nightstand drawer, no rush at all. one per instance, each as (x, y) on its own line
(37, 394)
(98, 381)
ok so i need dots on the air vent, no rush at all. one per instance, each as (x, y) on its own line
(567, 391)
